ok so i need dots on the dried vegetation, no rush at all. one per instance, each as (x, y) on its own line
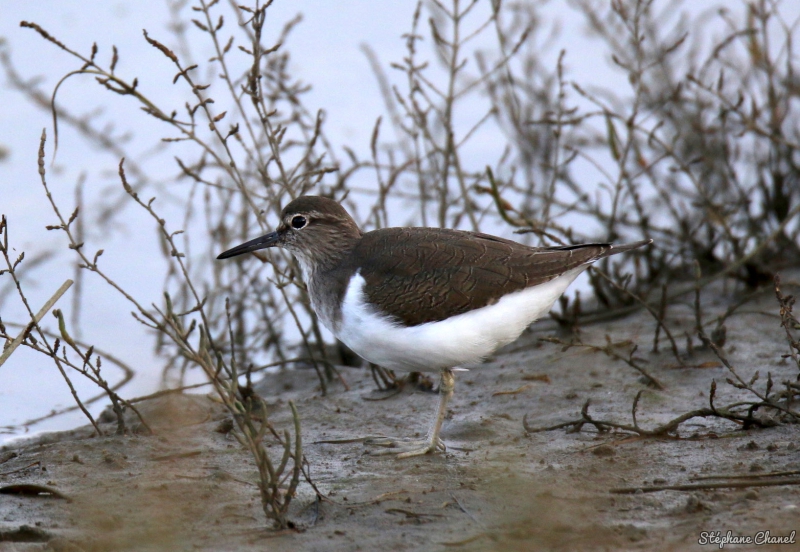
(696, 145)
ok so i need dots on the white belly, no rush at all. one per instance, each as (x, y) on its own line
(463, 339)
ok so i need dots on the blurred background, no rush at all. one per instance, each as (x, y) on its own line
(567, 121)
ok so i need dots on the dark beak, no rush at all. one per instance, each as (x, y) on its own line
(267, 240)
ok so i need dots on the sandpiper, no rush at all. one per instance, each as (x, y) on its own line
(422, 299)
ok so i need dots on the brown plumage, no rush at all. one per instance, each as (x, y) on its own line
(414, 275)
(395, 295)
(429, 274)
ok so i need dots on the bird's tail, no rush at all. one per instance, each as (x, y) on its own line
(614, 249)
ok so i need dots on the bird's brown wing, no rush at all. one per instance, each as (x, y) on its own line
(419, 275)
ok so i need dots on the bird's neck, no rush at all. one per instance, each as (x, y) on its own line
(323, 257)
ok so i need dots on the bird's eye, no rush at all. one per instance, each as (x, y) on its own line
(299, 222)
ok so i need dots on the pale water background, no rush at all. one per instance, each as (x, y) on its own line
(326, 53)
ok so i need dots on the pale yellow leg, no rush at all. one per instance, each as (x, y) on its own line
(405, 448)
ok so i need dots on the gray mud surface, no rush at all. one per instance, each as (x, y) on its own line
(192, 487)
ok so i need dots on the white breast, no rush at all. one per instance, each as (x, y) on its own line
(463, 339)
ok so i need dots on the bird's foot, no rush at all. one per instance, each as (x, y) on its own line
(404, 448)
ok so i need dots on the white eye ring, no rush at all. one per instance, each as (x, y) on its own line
(298, 222)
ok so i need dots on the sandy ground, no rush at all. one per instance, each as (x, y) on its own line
(191, 487)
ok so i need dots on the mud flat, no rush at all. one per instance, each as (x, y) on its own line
(190, 486)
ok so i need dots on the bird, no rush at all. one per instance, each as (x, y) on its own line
(420, 299)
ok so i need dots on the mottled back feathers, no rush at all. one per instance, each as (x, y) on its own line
(419, 275)
(412, 275)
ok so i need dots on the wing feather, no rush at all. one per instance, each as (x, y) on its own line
(420, 275)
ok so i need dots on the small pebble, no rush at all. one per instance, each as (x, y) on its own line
(695, 505)
(604, 450)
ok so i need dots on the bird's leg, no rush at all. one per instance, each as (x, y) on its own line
(405, 448)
